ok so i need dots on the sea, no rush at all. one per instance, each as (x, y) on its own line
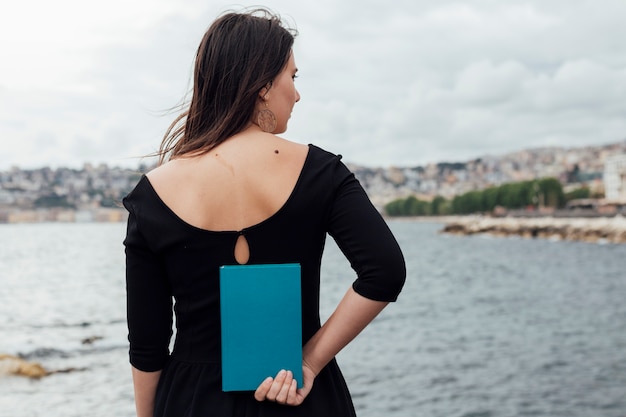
(485, 326)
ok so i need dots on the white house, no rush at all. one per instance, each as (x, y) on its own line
(615, 177)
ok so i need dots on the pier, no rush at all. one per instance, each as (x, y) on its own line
(598, 229)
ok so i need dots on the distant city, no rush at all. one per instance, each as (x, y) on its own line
(94, 193)
(573, 167)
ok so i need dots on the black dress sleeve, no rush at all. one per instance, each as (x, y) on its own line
(149, 300)
(365, 239)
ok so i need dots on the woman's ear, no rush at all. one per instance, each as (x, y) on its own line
(264, 92)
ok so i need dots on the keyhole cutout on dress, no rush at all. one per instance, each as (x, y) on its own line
(242, 250)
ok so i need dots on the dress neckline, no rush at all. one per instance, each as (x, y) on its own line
(145, 180)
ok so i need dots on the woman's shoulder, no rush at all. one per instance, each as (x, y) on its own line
(322, 152)
(324, 161)
(164, 171)
(141, 194)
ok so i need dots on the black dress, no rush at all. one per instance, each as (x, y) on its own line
(168, 258)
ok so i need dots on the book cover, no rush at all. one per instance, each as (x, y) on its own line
(261, 319)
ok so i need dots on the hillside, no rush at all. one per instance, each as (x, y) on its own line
(92, 188)
(569, 165)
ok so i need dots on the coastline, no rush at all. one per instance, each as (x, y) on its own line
(587, 229)
(59, 215)
(594, 230)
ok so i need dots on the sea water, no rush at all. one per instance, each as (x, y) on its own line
(485, 327)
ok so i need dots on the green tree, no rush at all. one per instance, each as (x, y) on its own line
(582, 192)
(552, 192)
(410, 206)
(490, 198)
(394, 208)
(438, 206)
(53, 200)
(514, 195)
(511, 195)
(423, 208)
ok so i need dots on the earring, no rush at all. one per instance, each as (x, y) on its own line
(266, 120)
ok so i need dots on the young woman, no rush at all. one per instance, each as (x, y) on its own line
(229, 191)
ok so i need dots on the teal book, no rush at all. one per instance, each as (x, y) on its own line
(261, 319)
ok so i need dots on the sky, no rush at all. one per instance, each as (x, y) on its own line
(403, 82)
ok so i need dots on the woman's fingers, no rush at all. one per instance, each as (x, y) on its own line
(275, 389)
(283, 389)
(277, 385)
(262, 390)
(283, 392)
(292, 394)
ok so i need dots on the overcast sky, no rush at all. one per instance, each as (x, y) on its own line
(402, 82)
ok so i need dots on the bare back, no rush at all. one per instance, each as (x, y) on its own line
(240, 183)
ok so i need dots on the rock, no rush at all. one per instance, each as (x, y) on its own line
(91, 340)
(611, 230)
(13, 365)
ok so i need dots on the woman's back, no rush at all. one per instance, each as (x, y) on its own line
(240, 183)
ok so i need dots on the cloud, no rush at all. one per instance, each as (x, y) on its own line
(456, 81)
(404, 83)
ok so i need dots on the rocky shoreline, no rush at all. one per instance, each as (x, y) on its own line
(601, 229)
(11, 365)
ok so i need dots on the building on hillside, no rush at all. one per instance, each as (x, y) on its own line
(615, 177)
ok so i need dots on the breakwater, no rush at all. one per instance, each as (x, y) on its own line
(601, 229)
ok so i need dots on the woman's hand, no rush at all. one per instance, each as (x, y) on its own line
(353, 313)
(283, 389)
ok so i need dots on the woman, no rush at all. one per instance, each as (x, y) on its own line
(228, 191)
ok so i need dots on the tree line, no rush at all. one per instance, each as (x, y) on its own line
(545, 192)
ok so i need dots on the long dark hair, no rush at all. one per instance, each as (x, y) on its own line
(240, 54)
